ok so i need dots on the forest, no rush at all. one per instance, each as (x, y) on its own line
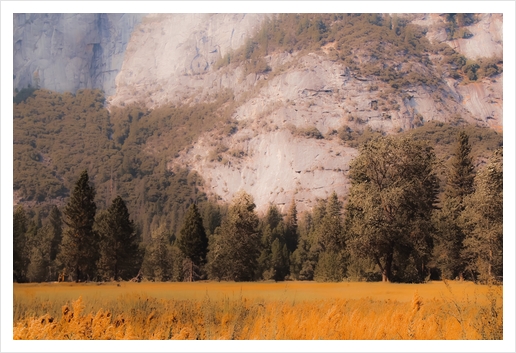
(410, 215)
(97, 201)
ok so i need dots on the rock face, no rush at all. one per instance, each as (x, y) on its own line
(67, 52)
(274, 167)
(171, 58)
(183, 49)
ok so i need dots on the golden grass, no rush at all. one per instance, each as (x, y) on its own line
(291, 310)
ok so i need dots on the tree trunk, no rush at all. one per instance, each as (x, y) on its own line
(386, 273)
(490, 265)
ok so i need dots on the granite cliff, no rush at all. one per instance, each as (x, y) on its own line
(173, 59)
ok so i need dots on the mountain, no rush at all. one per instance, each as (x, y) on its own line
(67, 52)
(295, 93)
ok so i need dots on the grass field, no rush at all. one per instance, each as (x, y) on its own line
(287, 310)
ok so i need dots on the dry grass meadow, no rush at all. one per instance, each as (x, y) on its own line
(263, 311)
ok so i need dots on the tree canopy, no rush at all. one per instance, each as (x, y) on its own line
(393, 192)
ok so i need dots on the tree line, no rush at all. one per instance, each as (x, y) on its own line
(394, 226)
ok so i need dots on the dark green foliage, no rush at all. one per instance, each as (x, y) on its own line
(56, 227)
(291, 228)
(118, 243)
(331, 243)
(455, 23)
(273, 262)
(20, 256)
(443, 136)
(482, 222)
(449, 239)
(40, 267)
(368, 44)
(460, 176)
(235, 247)
(23, 95)
(192, 240)
(160, 259)
(125, 152)
(279, 260)
(390, 204)
(329, 267)
(330, 233)
(449, 236)
(78, 252)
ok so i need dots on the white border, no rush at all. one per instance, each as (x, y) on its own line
(10, 7)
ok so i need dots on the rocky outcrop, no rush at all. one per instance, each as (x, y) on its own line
(275, 167)
(184, 49)
(67, 52)
(486, 40)
(171, 58)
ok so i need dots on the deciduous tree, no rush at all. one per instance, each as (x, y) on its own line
(392, 196)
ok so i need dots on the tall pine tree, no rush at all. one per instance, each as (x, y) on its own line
(482, 221)
(193, 242)
(449, 235)
(291, 233)
(118, 247)
(20, 224)
(235, 245)
(330, 236)
(78, 252)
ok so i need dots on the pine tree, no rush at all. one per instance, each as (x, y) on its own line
(330, 231)
(39, 268)
(449, 235)
(78, 252)
(482, 222)
(272, 228)
(56, 224)
(461, 176)
(118, 246)
(330, 237)
(158, 262)
(291, 232)
(235, 247)
(279, 260)
(192, 241)
(19, 235)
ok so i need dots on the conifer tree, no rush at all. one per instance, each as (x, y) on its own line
(482, 222)
(56, 224)
(192, 241)
(236, 246)
(279, 260)
(19, 237)
(158, 262)
(118, 246)
(330, 231)
(461, 176)
(39, 268)
(291, 232)
(78, 252)
(449, 235)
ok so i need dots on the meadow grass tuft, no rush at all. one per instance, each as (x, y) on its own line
(293, 310)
